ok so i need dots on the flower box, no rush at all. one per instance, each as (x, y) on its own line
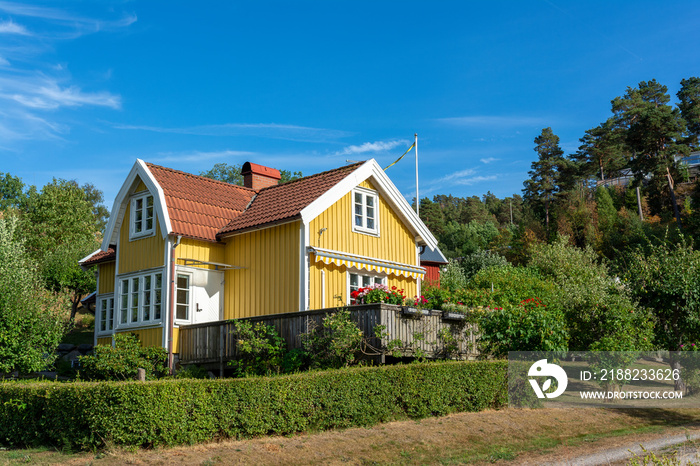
(414, 311)
(447, 315)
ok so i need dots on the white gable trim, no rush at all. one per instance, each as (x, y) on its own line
(389, 192)
(116, 217)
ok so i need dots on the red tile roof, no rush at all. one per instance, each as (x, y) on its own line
(287, 200)
(102, 256)
(199, 207)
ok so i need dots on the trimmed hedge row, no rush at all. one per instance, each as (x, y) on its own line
(88, 415)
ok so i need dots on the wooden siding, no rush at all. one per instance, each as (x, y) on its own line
(214, 343)
(104, 341)
(147, 336)
(269, 280)
(106, 275)
(176, 340)
(395, 243)
(200, 250)
(142, 253)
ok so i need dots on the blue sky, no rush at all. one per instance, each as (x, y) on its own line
(87, 87)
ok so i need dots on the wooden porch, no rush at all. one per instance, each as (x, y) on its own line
(420, 332)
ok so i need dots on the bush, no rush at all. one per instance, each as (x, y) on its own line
(452, 276)
(122, 361)
(334, 343)
(480, 260)
(260, 349)
(88, 415)
(378, 293)
(530, 326)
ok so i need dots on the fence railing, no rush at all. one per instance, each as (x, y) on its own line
(428, 333)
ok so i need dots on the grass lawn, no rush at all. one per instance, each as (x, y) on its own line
(508, 436)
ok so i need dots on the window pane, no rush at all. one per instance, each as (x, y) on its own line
(370, 201)
(110, 314)
(353, 280)
(182, 297)
(358, 198)
(103, 315)
(366, 281)
(370, 223)
(182, 281)
(149, 201)
(181, 312)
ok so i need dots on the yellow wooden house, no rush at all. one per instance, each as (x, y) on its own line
(181, 249)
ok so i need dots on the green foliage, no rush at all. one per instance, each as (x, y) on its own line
(599, 311)
(122, 361)
(452, 276)
(689, 105)
(543, 184)
(170, 412)
(529, 326)
(480, 260)
(30, 322)
(334, 343)
(510, 286)
(259, 350)
(665, 278)
(462, 239)
(192, 372)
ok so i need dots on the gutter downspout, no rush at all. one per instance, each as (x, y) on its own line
(171, 316)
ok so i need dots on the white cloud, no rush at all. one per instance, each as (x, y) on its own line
(457, 175)
(488, 160)
(474, 180)
(41, 93)
(10, 27)
(377, 146)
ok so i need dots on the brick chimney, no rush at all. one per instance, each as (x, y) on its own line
(257, 176)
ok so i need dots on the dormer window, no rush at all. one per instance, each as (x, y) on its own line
(365, 211)
(142, 219)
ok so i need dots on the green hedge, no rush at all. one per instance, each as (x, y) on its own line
(86, 415)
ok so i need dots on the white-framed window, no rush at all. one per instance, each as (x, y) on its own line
(141, 299)
(365, 211)
(357, 280)
(142, 216)
(105, 314)
(182, 297)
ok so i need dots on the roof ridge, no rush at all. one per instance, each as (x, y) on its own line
(287, 183)
(203, 178)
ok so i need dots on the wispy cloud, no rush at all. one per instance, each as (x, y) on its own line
(10, 27)
(44, 93)
(264, 130)
(33, 88)
(494, 121)
(377, 146)
(199, 156)
(488, 160)
(75, 25)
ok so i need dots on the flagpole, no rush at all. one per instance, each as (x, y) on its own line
(415, 135)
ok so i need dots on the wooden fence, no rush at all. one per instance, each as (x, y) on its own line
(430, 333)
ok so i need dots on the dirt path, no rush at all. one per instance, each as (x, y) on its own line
(555, 436)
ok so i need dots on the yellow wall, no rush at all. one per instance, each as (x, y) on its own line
(395, 243)
(104, 341)
(269, 283)
(200, 250)
(147, 337)
(176, 340)
(106, 275)
(142, 253)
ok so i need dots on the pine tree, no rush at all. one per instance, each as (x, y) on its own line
(543, 184)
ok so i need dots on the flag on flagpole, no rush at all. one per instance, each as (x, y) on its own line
(397, 160)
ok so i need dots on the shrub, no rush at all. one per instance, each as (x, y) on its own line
(260, 349)
(452, 276)
(334, 343)
(122, 361)
(480, 260)
(88, 415)
(530, 326)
